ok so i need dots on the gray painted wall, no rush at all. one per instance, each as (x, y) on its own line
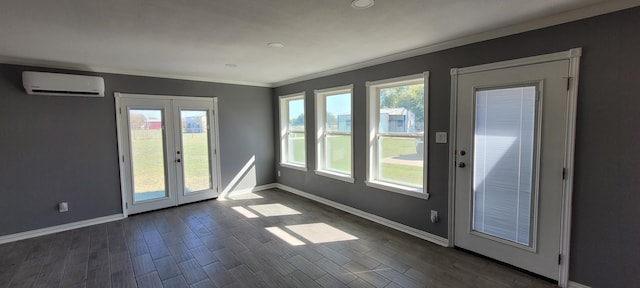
(56, 149)
(606, 226)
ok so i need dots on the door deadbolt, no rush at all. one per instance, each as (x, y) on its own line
(462, 165)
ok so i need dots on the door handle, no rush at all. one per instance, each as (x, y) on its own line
(462, 165)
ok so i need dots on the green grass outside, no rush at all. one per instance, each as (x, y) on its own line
(399, 173)
(149, 173)
(296, 142)
(148, 166)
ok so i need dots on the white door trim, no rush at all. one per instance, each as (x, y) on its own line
(573, 55)
(121, 148)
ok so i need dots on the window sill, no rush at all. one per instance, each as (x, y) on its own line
(294, 166)
(337, 176)
(409, 191)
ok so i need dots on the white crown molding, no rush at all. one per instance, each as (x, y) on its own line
(100, 69)
(569, 16)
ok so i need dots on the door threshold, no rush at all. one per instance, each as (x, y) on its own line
(170, 207)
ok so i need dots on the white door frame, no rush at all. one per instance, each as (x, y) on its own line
(121, 148)
(573, 56)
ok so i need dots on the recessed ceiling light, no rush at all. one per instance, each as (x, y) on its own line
(231, 65)
(275, 45)
(361, 4)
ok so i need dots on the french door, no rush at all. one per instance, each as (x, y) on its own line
(168, 151)
(511, 158)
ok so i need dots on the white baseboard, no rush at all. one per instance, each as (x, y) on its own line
(576, 285)
(58, 228)
(386, 222)
(248, 190)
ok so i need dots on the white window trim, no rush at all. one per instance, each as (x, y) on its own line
(284, 130)
(320, 109)
(372, 127)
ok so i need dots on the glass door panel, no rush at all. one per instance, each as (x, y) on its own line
(196, 150)
(147, 154)
(503, 163)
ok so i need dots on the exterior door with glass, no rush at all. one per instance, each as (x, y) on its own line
(510, 154)
(196, 152)
(168, 150)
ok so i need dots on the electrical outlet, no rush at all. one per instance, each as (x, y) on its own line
(434, 216)
(63, 207)
(278, 173)
(441, 137)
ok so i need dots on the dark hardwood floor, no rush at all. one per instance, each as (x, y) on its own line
(267, 239)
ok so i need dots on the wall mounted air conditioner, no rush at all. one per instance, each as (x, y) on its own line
(57, 84)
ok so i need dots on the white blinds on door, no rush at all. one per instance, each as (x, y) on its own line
(504, 162)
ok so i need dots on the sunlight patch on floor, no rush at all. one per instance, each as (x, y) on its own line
(277, 209)
(245, 212)
(245, 196)
(292, 240)
(320, 233)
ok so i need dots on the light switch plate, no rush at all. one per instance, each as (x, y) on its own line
(441, 137)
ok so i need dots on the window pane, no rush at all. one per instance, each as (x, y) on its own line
(338, 153)
(503, 162)
(195, 148)
(296, 148)
(400, 161)
(296, 115)
(338, 116)
(402, 109)
(147, 154)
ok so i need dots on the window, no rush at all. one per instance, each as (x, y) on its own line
(397, 124)
(333, 138)
(292, 132)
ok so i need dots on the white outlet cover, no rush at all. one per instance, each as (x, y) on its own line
(63, 206)
(441, 137)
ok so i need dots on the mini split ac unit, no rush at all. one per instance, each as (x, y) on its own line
(57, 84)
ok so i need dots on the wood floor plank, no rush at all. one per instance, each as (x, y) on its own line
(218, 274)
(175, 282)
(99, 277)
(123, 280)
(192, 271)
(206, 283)
(73, 274)
(203, 255)
(149, 280)
(367, 274)
(167, 268)
(306, 267)
(336, 270)
(142, 264)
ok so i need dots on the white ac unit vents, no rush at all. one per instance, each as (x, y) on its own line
(57, 84)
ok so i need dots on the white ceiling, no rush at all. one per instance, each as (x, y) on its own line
(194, 39)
